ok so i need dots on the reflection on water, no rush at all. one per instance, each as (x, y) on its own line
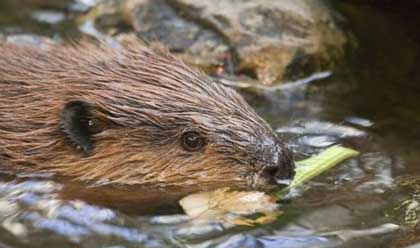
(370, 104)
(33, 207)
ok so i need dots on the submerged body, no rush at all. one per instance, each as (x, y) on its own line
(129, 115)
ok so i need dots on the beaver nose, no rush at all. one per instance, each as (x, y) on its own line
(283, 168)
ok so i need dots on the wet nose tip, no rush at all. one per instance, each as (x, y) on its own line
(288, 172)
(280, 171)
(284, 169)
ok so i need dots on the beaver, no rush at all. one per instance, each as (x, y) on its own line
(130, 115)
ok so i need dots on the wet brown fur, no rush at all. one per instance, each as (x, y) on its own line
(141, 102)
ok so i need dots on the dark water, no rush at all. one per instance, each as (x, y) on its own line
(370, 102)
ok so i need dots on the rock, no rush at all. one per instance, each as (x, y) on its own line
(270, 39)
(267, 40)
(154, 20)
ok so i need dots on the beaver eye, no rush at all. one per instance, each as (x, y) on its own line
(192, 141)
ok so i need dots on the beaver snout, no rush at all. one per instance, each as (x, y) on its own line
(281, 168)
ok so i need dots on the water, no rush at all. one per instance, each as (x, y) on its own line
(370, 103)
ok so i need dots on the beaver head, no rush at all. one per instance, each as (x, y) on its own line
(131, 115)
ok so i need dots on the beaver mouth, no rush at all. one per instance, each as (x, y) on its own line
(261, 181)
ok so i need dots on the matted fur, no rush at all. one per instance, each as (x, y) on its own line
(142, 102)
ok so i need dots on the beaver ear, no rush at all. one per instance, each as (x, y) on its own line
(76, 123)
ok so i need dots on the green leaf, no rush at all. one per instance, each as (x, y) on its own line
(313, 166)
